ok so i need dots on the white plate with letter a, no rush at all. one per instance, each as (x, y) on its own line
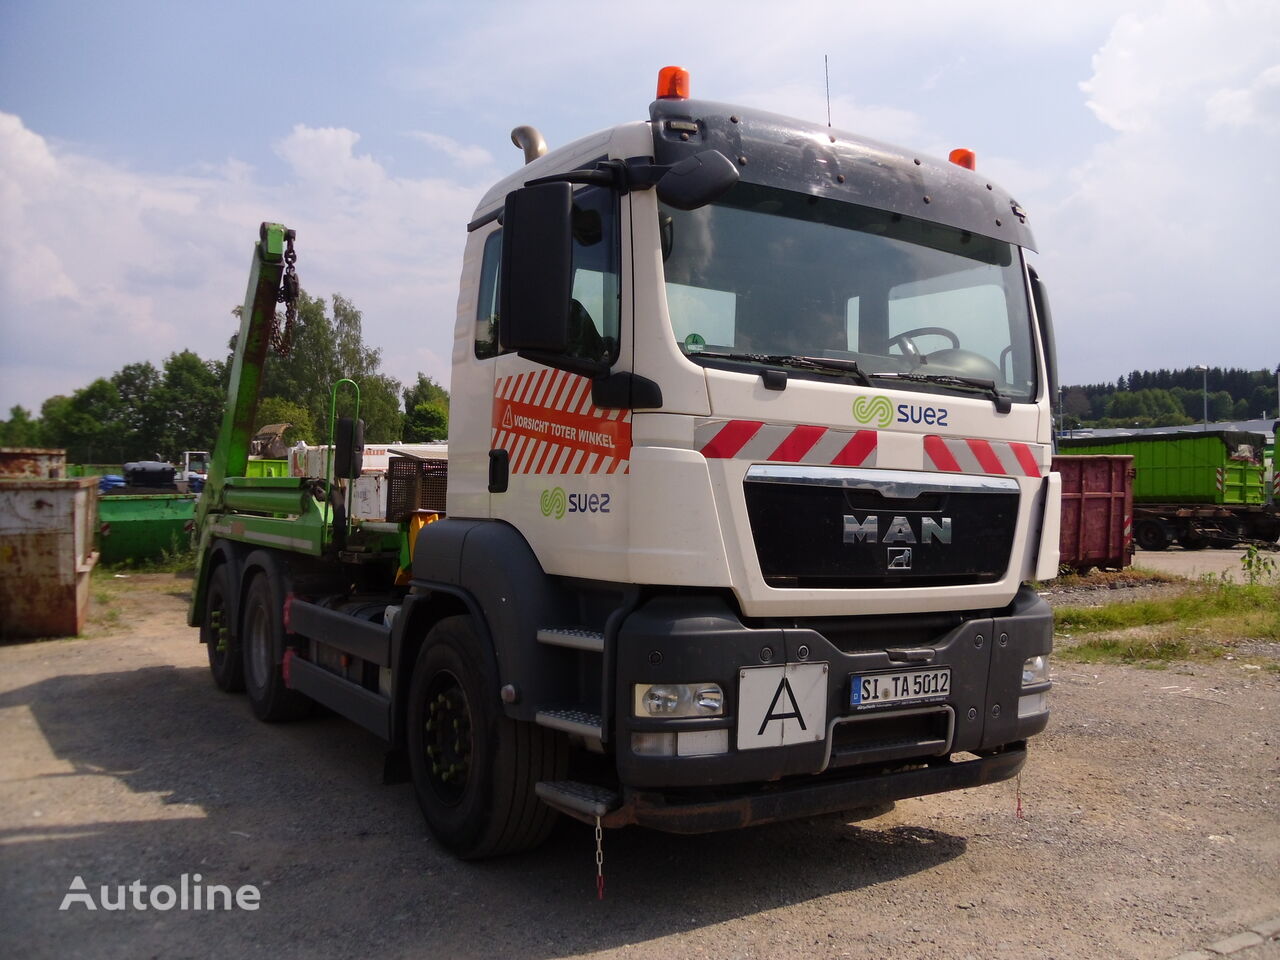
(781, 705)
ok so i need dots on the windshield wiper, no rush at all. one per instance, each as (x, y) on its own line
(827, 364)
(1002, 402)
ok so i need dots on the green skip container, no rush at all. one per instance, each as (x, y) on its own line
(1214, 466)
(144, 526)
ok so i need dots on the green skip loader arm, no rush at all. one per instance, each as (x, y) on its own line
(231, 453)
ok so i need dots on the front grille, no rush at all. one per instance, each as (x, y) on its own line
(817, 527)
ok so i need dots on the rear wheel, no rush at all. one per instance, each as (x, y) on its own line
(475, 769)
(262, 640)
(218, 635)
(1193, 541)
(1151, 534)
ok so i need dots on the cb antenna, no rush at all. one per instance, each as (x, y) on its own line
(827, 70)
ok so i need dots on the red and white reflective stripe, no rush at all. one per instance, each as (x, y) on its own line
(784, 443)
(1222, 480)
(546, 422)
(964, 455)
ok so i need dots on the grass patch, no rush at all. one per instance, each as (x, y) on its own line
(178, 561)
(103, 595)
(1206, 621)
(1129, 577)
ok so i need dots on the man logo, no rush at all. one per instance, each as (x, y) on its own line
(899, 558)
(877, 411)
(899, 531)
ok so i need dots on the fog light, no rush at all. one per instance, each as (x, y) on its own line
(1035, 670)
(653, 744)
(678, 700)
(1032, 704)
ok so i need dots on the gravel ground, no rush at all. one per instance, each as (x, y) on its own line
(1149, 826)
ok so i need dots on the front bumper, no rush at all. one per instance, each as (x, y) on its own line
(700, 639)
(810, 797)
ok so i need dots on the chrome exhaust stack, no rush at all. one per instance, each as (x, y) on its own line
(530, 141)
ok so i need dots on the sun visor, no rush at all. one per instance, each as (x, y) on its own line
(809, 158)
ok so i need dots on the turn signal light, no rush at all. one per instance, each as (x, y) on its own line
(673, 83)
(964, 158)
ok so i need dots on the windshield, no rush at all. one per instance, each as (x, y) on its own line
(776, 274)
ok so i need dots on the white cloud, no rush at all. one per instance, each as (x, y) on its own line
(1161, 253)
(1257, 104)
(101, 265)
(464, 155)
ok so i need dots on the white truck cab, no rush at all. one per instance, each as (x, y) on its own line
(775, 449)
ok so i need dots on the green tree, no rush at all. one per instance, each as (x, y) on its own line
(192, 395)
(1221, 406)
(427, 423)
(325, 350)
(426, 405)
(425, 390)
(143, 414)
(19, 430)
(88, 424)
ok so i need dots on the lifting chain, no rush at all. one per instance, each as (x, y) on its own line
(599, 861)
(290, 286)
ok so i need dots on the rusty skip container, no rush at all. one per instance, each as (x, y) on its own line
(33, 463)
(46, 555)
(1097, 511)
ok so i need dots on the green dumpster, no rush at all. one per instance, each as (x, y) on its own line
(145, 526)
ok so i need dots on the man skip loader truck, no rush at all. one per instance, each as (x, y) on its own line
(747, 470)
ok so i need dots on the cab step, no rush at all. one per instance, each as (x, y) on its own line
(576, 638)
(576, 798)
(572, 721)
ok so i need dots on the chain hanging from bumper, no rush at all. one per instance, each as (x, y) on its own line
(290, 287)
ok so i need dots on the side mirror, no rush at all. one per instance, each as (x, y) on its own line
(1040, 298)
(348, 448)
(537, 256)
(698, 180)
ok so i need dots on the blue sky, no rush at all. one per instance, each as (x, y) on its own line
(141, 144)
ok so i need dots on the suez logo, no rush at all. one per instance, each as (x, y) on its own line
(556, 503)
(879, 411)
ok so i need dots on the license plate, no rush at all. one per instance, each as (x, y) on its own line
(907, 686)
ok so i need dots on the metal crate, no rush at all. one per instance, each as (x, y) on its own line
(415, 484)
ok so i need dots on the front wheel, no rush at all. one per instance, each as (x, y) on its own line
(475, 769)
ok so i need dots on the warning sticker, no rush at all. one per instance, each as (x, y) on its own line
(546, 421)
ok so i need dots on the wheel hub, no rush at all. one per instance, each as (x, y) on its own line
(447, 739)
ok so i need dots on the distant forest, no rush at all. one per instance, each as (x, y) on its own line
(1170, 398)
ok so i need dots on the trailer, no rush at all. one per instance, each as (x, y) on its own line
(747, 478)
(1198, 488)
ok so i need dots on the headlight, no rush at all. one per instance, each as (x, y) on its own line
(672, 700)
(1035, 670)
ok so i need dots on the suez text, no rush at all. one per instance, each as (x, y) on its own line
(589, 502)
(911, 413)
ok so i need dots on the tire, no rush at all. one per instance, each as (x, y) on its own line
(226, 663)
(1193, 542)
(1151, 535)
(262, 643)
(474, 769)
